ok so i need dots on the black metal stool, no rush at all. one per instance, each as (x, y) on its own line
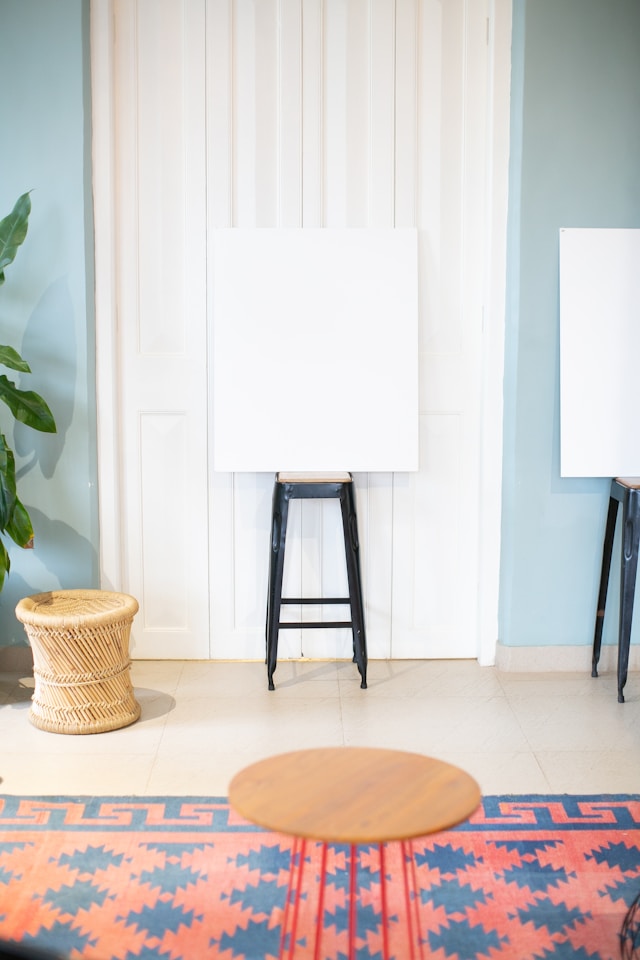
(627, 492)
(299, 486)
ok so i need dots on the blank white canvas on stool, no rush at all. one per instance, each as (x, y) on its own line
(599, 350)
(314, 349)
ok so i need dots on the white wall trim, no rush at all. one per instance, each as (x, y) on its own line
(497, 193)
(110, 467)
(107, 379)
(562, 659)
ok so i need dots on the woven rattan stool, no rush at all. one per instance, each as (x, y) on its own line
(81, 666)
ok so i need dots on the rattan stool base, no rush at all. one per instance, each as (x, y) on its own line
(81, 665)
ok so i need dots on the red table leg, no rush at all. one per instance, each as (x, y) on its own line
(416, 899)
(353, 865)
(407, 898)
(294, 897)
(294, 891)
(287, 902)
(320, 920)
(384, 921)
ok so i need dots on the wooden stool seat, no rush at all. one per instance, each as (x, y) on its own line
(625, 490)
(308, 486)
(81, 666)
(314, 477)
(354, 794)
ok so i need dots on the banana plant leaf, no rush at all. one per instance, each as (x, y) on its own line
(8, 494)
(12, 359)
(19, 527)
(5, 563)
(27, 406)
(13, 230)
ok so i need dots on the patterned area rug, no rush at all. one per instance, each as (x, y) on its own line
(528, 878)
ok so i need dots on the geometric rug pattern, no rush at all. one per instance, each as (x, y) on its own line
(108, 878)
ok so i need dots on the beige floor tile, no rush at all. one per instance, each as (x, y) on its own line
(454, 678)
(311, 679)
(202, 722)
(161, 675)
(20, 737)
(408, 679)
(577, 723)
(77, 773)
(206, 679)
(502, 773)
(606, 771)
(429, 724)
(190, 774)
(522, 685)
(270, 726)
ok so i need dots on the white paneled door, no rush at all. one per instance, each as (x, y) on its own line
(300, 113)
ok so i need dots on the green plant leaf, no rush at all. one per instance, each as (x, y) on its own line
(27, 406)
(19, 527)
(7, 484)
(12, 359)
(13, 230)
(5, 563)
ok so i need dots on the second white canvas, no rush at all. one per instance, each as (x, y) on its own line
(315, 350)
(599, 346)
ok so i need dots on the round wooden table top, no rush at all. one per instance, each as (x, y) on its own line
(354, 794)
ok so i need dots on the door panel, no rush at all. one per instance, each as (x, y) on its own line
(345, 113)
(160, 248)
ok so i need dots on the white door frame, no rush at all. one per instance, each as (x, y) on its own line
(110, 464)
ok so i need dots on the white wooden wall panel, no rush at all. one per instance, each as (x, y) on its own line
(385, 90)
(300, 113)
(290, 114)
(436, 511)
(312, 100)
(380, 163)
(219, 89)
(406, 173)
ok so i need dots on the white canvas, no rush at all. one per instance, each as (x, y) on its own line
(314, 344)
(599, 350)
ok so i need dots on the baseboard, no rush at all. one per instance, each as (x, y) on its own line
(575, 659)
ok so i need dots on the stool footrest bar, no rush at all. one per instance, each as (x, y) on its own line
(315, 600)
(315, 624)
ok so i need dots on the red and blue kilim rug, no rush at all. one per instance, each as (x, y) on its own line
(527, 878)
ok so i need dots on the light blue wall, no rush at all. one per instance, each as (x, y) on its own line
(46, 303)
(575, 162)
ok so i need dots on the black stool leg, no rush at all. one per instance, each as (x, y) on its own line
(630, 542)
(280, 513)
(352, 548)
(604, 582)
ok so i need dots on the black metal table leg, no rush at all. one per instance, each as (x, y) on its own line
(628, 570)
(627, 492)
(610, 530)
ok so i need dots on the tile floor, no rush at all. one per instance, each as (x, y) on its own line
(203, 721)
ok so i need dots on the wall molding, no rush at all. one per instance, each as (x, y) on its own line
(231, 198)
(102, 18)
(561, 659)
